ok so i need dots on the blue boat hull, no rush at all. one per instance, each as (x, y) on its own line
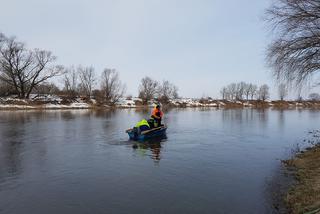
(149, 135)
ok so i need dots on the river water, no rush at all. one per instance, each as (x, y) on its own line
(81, 161)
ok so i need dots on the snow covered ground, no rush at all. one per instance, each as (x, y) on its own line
(47, 106)
(128, 103)
(42, 102)
(11, 106)
(55, 102)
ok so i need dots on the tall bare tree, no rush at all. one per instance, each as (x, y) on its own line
(167, 91)
(239, 91)
(240, 88)
(253, 90)
(25, 69)
(283, 91)
(2, 38)
(87, 79)
(111, 86)
(232, 91)
(5, 89)
(70, 80)
(224, 93)
(314, 96)
(263, 92)
(246, 91)
(47, 89)
(295, 53)
(148, 89)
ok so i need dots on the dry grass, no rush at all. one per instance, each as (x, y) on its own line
(304, 197)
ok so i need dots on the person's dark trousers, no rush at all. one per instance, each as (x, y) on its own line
(158, 121)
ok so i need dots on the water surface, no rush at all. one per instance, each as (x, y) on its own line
(211, 161)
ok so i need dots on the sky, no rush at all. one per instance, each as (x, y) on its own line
(199, 45)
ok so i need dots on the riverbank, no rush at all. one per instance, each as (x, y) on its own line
(304, 195)
(55, 102)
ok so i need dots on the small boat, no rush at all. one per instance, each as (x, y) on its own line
(155, 132)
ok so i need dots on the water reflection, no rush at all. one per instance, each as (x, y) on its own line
(11, 144)
(18, 118)
(281, 118)
(67, 115)
(10, 158)
(104, 113)
(245, 116)
(154, 146)
(314, 114)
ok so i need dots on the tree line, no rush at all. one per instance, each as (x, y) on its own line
(25, 71)
(245, 91)
(81, 81)
(150, 89)
(249, 91)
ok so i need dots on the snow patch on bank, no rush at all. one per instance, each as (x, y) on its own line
(72, 106)
(11, 106)
(128, 103)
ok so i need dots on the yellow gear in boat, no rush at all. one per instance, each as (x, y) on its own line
(142, 123)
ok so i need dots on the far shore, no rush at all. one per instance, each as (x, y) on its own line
(58, 104)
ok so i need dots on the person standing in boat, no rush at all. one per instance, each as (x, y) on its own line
(157, 115)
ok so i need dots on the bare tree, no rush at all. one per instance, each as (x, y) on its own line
(232, 91)
(283, 91)
(70, 80)
(148, 89)
(246, 91)
(224, 93)
(167, 91)
(240, 90)
(46, 88)
(295, 53)
(249, 90)
(253, 90)
(111, 86)
(175, 94)
(2, 38)
(5, 89)
(263, 92)
(24, 69)
(314, 96)
(87, 79)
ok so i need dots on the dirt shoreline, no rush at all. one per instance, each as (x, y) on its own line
(304, 195)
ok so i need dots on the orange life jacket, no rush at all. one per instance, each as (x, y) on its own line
(156, 112)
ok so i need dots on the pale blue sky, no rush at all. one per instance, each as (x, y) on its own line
(199, 45)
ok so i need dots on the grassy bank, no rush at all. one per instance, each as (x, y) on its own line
(304, 196)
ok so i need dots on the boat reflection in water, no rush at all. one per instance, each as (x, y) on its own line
(151, 147)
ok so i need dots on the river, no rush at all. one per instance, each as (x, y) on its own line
(81, 161)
